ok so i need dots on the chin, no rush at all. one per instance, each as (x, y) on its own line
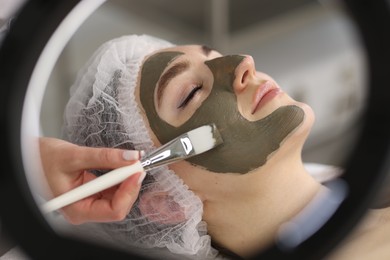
(308, 121)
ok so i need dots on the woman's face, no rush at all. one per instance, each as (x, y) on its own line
(184, 87)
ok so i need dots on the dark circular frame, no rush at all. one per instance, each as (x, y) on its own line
(21, 219)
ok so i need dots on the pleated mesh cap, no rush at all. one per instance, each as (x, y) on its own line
(103, 112)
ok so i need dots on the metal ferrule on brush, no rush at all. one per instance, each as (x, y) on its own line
(174, 150)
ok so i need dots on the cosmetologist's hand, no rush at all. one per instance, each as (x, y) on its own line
(66, 167)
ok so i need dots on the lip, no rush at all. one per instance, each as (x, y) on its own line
(264, 93)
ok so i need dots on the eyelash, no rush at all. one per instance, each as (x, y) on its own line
(190, 95)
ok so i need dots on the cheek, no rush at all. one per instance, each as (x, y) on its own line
(305, 127)
(141, 109)
(309, 114)
(152, 136)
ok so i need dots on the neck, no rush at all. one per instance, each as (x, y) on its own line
(244, 212)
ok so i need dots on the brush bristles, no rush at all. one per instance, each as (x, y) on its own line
(204, 138)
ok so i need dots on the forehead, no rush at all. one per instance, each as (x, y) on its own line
(184, 48)
(190, 51)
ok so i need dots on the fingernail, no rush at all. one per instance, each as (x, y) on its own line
(141, 153)
(130, 155)
(141, 178)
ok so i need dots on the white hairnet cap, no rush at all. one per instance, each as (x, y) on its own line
(103, 112)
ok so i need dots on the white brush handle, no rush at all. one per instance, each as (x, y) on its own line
(101, 183)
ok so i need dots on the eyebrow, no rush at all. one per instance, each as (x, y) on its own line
(174, 71)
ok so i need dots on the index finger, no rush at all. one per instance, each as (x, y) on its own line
(105, 158)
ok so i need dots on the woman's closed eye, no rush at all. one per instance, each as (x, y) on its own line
(190, 95)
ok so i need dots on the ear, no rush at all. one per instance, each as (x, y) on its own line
(160, 207)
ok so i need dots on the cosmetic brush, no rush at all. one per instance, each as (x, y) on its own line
(194, 142)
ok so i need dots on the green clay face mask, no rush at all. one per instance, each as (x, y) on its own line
(246, 144)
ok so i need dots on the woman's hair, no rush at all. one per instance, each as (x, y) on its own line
(103, 112)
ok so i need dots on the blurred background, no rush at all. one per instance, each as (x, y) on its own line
(309, 47)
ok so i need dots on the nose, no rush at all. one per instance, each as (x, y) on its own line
(244, 73)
